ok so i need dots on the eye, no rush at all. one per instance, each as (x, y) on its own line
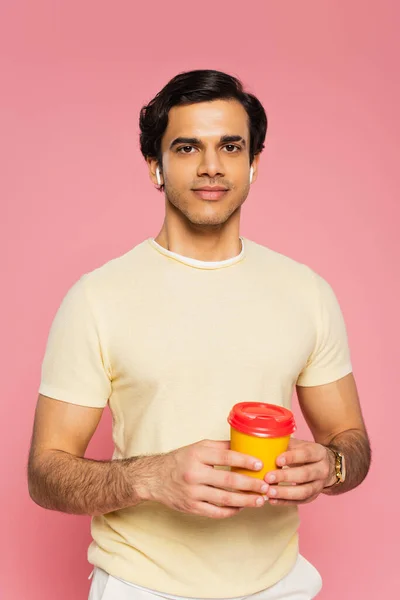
(182, 149)
(231, 148)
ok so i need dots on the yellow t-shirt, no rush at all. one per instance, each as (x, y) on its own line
(171, 344)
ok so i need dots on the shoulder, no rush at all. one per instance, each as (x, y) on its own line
(280, 266)
(112, 279)
(290, 277)
(119, 269)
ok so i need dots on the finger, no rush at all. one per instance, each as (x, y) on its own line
(295, 492)
(225, 498)
(293, 443)
(306, 453)
(300, 474)
(234, 481)
(204, 509)
(275, 502)
(229, 458)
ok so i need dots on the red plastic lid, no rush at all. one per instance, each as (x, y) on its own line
(261, 419)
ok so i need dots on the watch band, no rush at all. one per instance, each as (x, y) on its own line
(339, 468)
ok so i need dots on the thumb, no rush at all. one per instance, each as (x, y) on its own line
(293, 442)
(221, 445)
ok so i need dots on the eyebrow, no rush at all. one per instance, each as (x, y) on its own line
(225, 139)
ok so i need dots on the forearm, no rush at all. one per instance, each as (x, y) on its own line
(67, 483)
(355, 446)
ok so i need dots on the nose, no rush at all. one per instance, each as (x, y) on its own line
(210, 164)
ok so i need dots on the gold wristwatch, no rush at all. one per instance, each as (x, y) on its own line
(340, 467)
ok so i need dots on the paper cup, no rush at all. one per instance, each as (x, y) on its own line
(260, 430)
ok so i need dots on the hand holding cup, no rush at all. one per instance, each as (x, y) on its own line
(186, 480)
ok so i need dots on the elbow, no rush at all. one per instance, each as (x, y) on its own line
(34, 483)
(32, 489)
(34, 496)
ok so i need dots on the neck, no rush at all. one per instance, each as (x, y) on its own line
(201, 242)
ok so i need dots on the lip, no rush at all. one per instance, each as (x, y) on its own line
(211, 193)
(211, 188)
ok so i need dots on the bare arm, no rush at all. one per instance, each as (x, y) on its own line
(60, 478)
(334, 416)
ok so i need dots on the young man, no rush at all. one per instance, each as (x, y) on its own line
(171, 335)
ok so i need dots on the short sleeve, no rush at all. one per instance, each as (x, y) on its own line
(330, 359)
(73, 369)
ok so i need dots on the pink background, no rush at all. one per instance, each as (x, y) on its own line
(75, 193)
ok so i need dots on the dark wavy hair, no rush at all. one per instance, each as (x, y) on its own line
(190, 88)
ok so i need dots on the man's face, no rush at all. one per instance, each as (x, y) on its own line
(207, 145)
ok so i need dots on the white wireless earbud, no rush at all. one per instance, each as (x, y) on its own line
(251, 174)
(158, 176)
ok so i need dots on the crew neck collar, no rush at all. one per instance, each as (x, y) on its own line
(200, 264)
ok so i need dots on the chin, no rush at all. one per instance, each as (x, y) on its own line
(213, 215)
(208, 220)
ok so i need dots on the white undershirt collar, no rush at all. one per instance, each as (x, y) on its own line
(200, 264)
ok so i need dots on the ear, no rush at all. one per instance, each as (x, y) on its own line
(254, 164)
(152, 163)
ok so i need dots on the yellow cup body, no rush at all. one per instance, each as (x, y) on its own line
(265, 449)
